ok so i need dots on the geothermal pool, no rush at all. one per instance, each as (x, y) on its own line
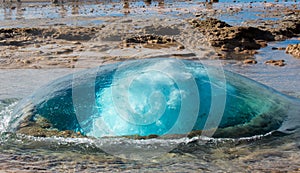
(267, 152)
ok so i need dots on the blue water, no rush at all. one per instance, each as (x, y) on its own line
(160, 97)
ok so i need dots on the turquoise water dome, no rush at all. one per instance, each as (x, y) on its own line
(160, 96)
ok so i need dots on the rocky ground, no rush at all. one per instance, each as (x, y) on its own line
(242, 41)
(132, 37)
(42, 47)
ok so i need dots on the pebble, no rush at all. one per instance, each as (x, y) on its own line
(250, 61)
(26, 61)
(36, 67)
(39, 58)
(74, 59)
(262, 43)
(37, 45)
(237, 49)
(76, 42)
(64, 51)
(281, 48)
(180, 47)
(279, 63)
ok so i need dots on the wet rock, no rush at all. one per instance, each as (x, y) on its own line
(64, 51)
(237, 49)
(138, 137)
(224, 48)
(37, 45)
(208, 24)
(36, 67)
(70, 36)
(286, 27)
(229, 38)
(42, 122)
(250, 52)
(250, 61)
(161, 30)
(180, 47)
(14, 32)
(278, 48)
(112, 37)
(262, 43)
(149, 38)
(151, 41)
(26, 61)
(194, 133)
(41, 127)
(279, 63)
(23, 36)
(76, 42)
(293, 49)
(239, 38)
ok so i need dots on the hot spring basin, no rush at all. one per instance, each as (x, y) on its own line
(161, 96)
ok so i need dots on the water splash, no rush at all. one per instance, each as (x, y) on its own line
(6, 110)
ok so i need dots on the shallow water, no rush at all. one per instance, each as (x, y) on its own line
(284, 79)
(82, 14)
(271, 152)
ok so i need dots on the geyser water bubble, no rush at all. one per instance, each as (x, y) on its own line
(147, 99)
(160, 97)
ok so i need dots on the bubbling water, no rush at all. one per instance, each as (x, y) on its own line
(147, 100)
(160, 96)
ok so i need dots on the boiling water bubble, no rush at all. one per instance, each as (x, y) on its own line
(145, 100)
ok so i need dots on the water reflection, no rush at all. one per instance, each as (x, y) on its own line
(144, 4)
(7, 11)
(12, 11)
